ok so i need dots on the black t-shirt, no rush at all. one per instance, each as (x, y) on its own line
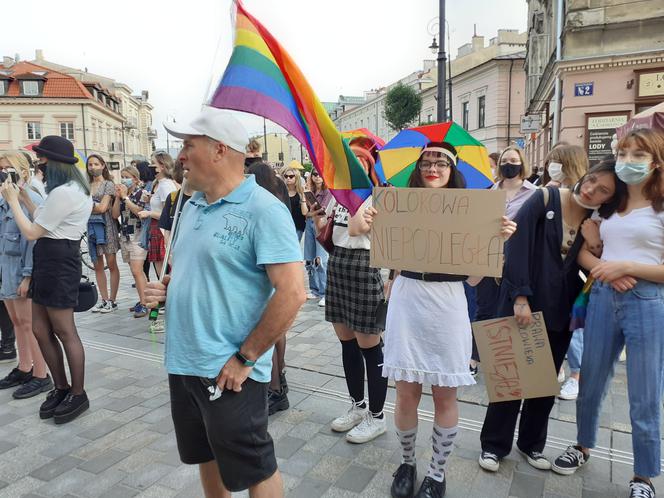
(296, 212)
(168, 213)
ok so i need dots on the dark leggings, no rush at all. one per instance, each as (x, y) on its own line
(7, 336)
(55, 326)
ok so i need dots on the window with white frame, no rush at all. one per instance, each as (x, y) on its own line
(465, 111)
(34, 130)
(481, 111)
(30, 87)
(67, 130)
(3, 87)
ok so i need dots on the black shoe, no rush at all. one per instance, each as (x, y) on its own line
(283, 382)
(33, 387)
(54, 398)
(431, 488)
(473, 370)
(403, 485)
(277, 401)
(71, 407)
(7, 355)
(15, 378)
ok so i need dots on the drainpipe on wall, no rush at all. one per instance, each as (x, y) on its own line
(85, 141)
(509, 105)
(558, 83)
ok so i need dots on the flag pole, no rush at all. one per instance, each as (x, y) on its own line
(154, 312)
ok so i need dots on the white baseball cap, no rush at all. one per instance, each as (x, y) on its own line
(219, 125)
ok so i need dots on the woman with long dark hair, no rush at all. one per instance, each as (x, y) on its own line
(58, 226)
(278, 391)
(102, 254)
(626, 308)
(541, 273)
(315, 257)
(428, 341)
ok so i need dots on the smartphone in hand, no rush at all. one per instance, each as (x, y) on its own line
(312, 201)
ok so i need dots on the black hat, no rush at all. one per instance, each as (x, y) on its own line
(56, 148)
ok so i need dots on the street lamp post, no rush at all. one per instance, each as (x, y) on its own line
(442, 57)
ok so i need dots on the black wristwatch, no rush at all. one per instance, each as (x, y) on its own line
(244, 360)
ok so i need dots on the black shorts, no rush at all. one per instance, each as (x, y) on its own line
(231, 430)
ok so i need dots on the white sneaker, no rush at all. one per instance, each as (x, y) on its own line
(561, 376)
(489, 461)
(109, 307)
(368, 429)
(570, 389)
(311, 296)
(321, 303)
(350, 419)
(99, 307)
(537, 460)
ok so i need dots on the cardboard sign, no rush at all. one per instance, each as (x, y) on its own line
(516, 362)
(438, 230)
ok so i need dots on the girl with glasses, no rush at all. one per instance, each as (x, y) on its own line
(298, 205)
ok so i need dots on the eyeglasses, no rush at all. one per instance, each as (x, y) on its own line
(289, 176)
(314, 173)
(440, 165)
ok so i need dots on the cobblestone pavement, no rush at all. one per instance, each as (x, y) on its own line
(125, 446)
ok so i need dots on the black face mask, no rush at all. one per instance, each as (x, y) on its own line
(510, 170)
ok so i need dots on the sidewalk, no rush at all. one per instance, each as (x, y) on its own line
(125, 446)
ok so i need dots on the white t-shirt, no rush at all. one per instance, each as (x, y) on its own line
(637, 236)
(38, 185)
(340, 236)
(65, 212)
(164, 188)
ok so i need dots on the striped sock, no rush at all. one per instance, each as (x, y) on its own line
(443, 444)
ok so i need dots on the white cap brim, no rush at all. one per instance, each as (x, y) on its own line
(182, 130)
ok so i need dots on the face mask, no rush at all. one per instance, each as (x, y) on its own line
(577, 198)
(127, 182)
(510, 170)
(95, 173)
(632, 173)
(556, 172)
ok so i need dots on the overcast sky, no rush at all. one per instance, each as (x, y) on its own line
(177, 50)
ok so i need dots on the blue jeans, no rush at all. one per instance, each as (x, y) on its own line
(575, 351)
(316, 260)
(633, 319)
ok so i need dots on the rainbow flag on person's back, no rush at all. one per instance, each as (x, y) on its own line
(261, 78)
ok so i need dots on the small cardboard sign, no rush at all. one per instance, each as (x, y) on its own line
(517, 362)
(438, 230)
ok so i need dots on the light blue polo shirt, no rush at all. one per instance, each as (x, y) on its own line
(219, 288)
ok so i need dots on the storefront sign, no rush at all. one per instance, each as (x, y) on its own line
(530, 123)
(584, 89)
(438, 230)
(651, 84)
(517, 362)
(600, 129)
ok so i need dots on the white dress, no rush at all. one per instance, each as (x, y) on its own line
(428, 338)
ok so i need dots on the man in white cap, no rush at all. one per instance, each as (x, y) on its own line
(235, 288)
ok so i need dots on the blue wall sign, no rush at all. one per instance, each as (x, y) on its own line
(583, 89)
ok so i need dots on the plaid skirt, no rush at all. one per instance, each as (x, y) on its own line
(156, 248)
(354, 290)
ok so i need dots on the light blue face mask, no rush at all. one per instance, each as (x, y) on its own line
(127, 182)
(632, 173)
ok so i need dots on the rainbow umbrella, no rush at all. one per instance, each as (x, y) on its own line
(399, 155)
(371, 141)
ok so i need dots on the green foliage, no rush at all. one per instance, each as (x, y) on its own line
(402, 106)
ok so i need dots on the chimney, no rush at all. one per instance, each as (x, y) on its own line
(8, 61)
(39, 54)
(478, 43)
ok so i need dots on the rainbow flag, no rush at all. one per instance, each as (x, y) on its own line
(261, 78)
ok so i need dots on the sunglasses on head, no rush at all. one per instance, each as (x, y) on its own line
(289, 176)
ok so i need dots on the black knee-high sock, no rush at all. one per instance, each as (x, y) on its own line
(377, 383)
(354, 369)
